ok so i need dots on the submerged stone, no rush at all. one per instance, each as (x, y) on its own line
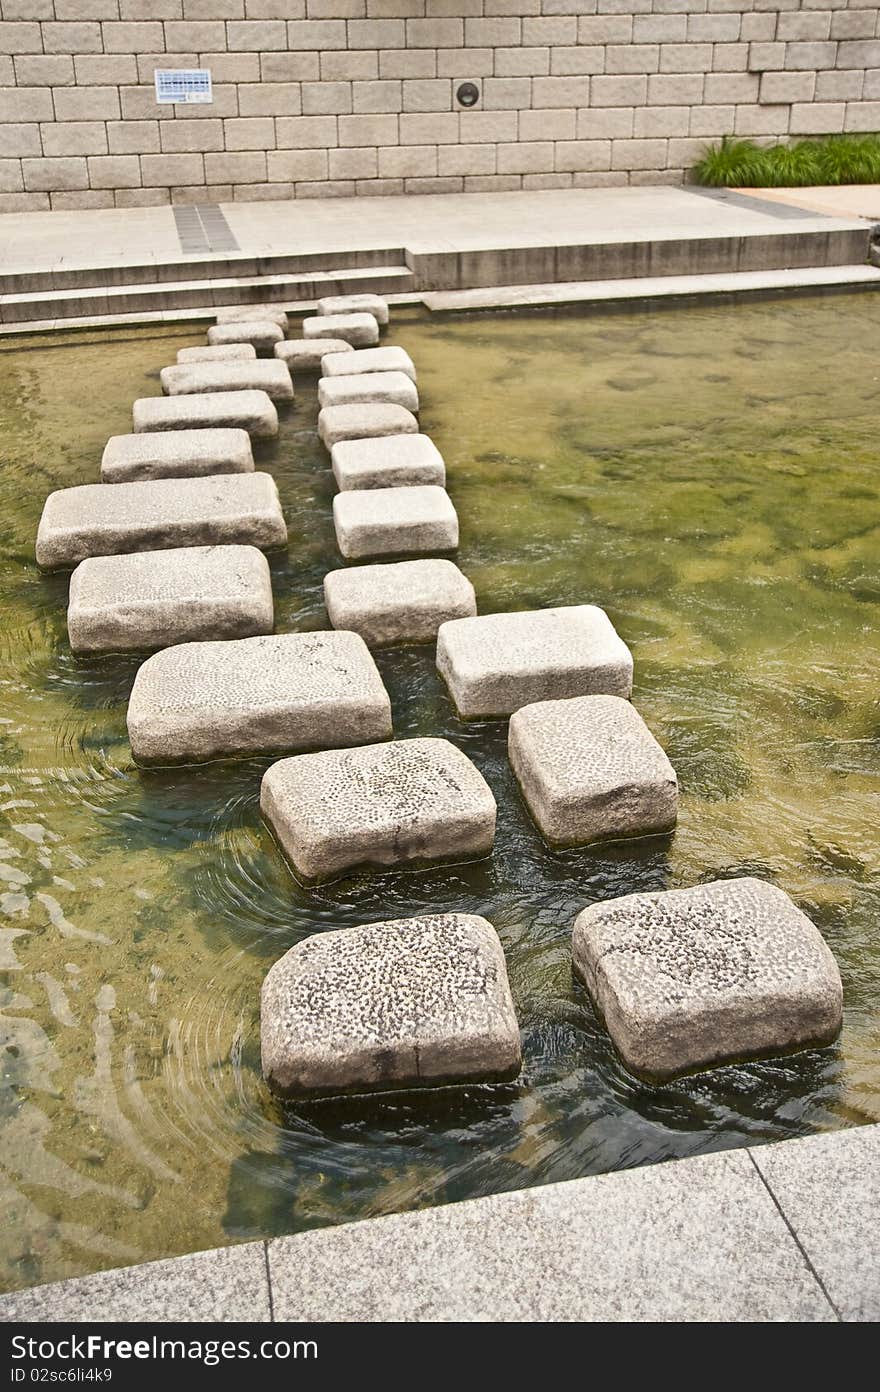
(221, 352)
(366, 360)
(387, 461)
(405, 1003)
(691, 977)
(234, 314)
(262, 334)
(355, 304)
(365, 420)
(252, 411)
(176, 454)
(369, 386)
(307, 354)
(358, 330)
(270, 376)
(394, 521)
(401, 603)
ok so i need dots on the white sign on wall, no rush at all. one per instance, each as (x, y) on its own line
(183, 85)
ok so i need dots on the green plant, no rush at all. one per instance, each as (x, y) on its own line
(834, 159)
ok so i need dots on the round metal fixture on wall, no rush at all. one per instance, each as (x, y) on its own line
(468, 94)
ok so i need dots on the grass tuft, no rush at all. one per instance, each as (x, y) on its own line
(833, 159)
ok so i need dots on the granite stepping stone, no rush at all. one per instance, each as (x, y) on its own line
(291, 691)
(406, 1003)
(355, 304)
(221, 352)
(590, 770)
(252, 411)
(234, 314)
(99, 519)
(366, 360)
(395, 387)
(308, 354)
(687, 978)
(387, 461)
(394, 521)
(270, 376)
(363, 421)
(176, 454)
(496, 663)
(382, 804)
(262, 334)
(151, 599)
(404, 602)
(358, 330)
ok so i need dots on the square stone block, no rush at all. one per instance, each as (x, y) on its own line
(394, 521)
(97, 519)
(367, 360)
(221, 352)
(307, 354)
(395, 387)
(498, 662)
(355, 304)
(270, 376)
(401, 603)
(358, 330)
(235, 314)
(590, 770)
(293, 691)
(691, 977)
(176, 454)
(383, 804)
(252, 411)
(364, 421)
(406, 1003)
(387, 461)
(261, 334)
(151, 599)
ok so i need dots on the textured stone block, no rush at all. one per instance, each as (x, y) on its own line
(221, 352)
(151, 599)
(387, 461)
(263, 334)
(393, 387)
(405, 1003)
(369, 360)
(293, 691)
(401, 603)
(394, 521)
(244, 410)
(307, 354)
(364, 421)
(97, 519)
(176, 454)
(235, 314)
(382, 804)
(691, 977)
(498, 662)
(357, 304)
(358, 330)
(590, 770)
(270, 376)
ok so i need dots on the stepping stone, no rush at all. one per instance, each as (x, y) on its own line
(221, 352)
(367, 360)
(307, 354)
(383, 804)
(406, 1003)
(293, 691)
(176, 454)
(358, 330)
(96, 519)
(262, 334)
(355, 304)
(234, 314)
(387, 461)
(395, 387)
(691, 977)
(364, 421)
(590, 770)
(394, 521)
(402, 603)
(498, 662)
(245, 410)
(152, 599)
(270, 376)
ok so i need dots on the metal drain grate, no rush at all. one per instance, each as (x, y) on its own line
(217, 229)
(203, 228)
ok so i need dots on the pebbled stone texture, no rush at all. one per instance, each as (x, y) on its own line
(358, 330)
(221, 352)
(368, 360)
(235, 314)
(308, 354)
(405, 602)
(270, 376)
(393, 521)
(387, 461)
(176, 454)
(395, 387)
(252, 411)
(262, 334)
(367, 419)
(356, 304)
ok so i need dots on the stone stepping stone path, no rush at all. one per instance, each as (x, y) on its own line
(260, 313)
(496, 663)
(691, 977)
(395, 387)
(405, 602)
(366, 420)
(394, 521)
(406, 1003)
(357, 330)
(287, 692)
(367, 360)
(416, 800)
(150, 599)
(221, 352)
(590, 770)
(356, 304)
(387, 461)
(307, 354)
(261, 334)
(270, 376)
(97, 519)
(176, 454)
(252, 411)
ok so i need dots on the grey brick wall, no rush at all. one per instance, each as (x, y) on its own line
(314, 98)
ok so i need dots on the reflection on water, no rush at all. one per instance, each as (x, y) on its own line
(709, 476)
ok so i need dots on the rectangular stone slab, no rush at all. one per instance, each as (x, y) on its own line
(357, 360)
(252, 411)
(151, 599)
(262, 334)
(293, 691)
(394, 521)
(590, 770)
(395, 387)
(221, 352)
(355, 304)
(381, 804)
(359, 330)
(307, 354)
(363, 421)
(405, 1003)
(404, 602)
(176, 454)
(387, 461)
(270, 376)
(234, 314)
(496, 663)
(97, 519)
(690, 977)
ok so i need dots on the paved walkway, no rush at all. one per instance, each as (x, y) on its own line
(846, 200)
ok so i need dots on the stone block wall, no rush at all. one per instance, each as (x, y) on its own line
(314, 98)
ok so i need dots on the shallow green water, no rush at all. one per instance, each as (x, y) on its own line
(710, 477)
